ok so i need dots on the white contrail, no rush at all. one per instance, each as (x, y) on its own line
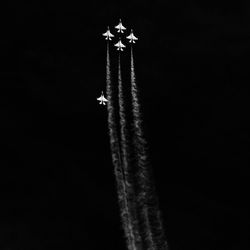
(147, 199)
(116, 157)
(140, 156)
(129, 179)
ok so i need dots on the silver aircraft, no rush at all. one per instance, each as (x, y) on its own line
(102, 99)
(120, 27)
(120, 45)
(108, 34)
(131, 37)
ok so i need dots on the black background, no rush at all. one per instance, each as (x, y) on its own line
(56, 176)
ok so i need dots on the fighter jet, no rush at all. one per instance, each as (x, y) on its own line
(102, 99)
(120, 27)
(108, 34)
(131, 37)
(119, 45)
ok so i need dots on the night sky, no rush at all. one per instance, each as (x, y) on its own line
(57, 184)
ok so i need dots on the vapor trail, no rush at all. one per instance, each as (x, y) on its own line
(150, 216)
(116, 157)
(129, 179)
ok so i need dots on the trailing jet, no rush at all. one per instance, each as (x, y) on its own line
(119, 45)
(102, 99)
(120, 27)
(131, 37)
(108, 34)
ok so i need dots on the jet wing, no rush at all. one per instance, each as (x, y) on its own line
(135, 38)
(122, 27)
(99, 99)
(122, 45)
(104, 99)
(129, 37)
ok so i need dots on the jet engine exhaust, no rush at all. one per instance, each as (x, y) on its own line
(129, 182)
(153, 233)
(116, 157)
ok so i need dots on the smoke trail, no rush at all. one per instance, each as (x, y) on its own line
(132, 213)
(142, 185)
(147, 199)
(116, 158)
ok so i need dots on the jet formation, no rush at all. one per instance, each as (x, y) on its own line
(119, 45)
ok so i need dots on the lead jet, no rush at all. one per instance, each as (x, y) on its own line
(120, 27)
(131, 37)
(102, 99)
(119, 45)
(108, 34)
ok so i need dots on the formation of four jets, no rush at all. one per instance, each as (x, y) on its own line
(120, 29)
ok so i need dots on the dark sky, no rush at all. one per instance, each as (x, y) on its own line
(56, 176)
